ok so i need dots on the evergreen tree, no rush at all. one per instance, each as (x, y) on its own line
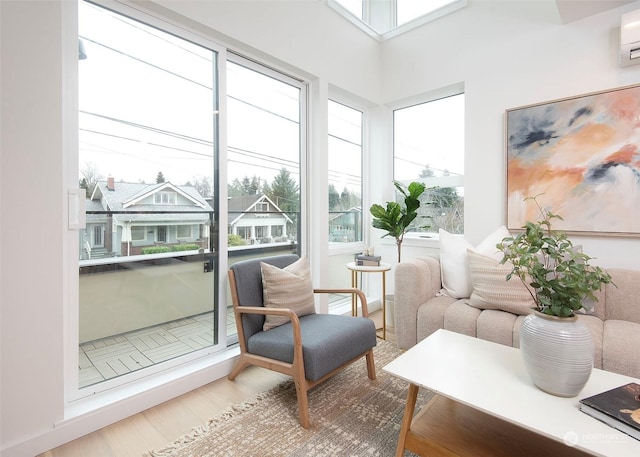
(334, 198)
(284, 191)
(85, 186)
(159, 178)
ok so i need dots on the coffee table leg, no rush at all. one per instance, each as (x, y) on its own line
(408, 417)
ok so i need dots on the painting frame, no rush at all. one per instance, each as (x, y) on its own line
(580, 157)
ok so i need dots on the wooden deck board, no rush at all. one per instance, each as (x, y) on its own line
(121, 354)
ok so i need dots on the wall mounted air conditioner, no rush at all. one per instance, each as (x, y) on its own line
(630, 39)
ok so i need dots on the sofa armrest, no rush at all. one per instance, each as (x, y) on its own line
(416, 281)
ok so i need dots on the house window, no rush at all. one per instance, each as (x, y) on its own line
(429, 147)
(345, 173)
(162, 234)
(184, 231)
(98, 231)
(138, 233)
(276, 230)
(262, 207)
(164, 198)
(262, 231)
(148, 104)
(244, 232)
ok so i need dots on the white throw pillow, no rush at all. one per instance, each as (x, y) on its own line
(454, 264)
(290, 287)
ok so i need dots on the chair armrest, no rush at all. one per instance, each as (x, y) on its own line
(416, 281)
(352, 291)
(287, 312)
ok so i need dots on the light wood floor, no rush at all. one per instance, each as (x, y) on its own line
(158, 426)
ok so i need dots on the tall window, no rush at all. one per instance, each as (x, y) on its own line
(265, 144)
(148, 104)
(345, 173)
(429, 147)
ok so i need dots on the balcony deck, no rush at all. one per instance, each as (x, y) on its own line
(114, 356)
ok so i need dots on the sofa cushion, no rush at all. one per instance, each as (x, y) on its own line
(596, 327)
(491, 290)
(289, 287)
(496, 326)
(430, 316)
(454, 265)
(461, 318)
(620, 343)
(622, 298)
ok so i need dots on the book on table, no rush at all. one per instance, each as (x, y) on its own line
(367, 260)
(619, 408)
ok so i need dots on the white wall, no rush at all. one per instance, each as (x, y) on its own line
(509, 54)
(31, 238)
(506, 53)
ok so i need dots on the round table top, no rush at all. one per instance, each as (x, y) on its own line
(382, 267)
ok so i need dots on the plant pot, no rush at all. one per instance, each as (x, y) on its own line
(557, 353)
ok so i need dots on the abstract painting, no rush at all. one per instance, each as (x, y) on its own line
(580, 156)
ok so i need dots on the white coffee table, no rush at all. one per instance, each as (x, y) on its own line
(486, 404)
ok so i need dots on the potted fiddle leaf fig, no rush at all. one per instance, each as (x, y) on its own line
(396, 218)
(556, 347)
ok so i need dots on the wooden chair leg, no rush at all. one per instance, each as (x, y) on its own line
(371, 367)
(240, 365)
(303, 405)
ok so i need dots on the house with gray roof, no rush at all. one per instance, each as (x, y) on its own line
(123, 218)
(258, 220)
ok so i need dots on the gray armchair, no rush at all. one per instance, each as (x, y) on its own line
(309, 348)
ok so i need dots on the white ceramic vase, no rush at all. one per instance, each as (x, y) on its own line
(557, 353)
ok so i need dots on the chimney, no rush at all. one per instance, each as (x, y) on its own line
(110, 183)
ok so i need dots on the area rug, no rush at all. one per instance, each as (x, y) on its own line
(351, 415)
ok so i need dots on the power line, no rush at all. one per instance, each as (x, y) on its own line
(146, 63)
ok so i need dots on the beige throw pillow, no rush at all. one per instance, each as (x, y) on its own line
(454, 265)
(290, 287)
(491, 290)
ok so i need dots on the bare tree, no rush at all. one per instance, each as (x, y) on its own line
(90, 177)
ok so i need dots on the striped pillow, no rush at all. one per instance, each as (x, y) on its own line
(289, 287)
(491, 290)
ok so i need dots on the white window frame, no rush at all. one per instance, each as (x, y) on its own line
(137, 228)
(188, 228)
(352, 101)
(165, 198)
(412, 238)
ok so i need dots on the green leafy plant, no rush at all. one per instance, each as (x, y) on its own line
(559, 275)
(396, 218)
(156, 250)
(185, 247)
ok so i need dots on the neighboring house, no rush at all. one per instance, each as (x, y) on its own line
(258, 220)
(346, 226)
(133, 216)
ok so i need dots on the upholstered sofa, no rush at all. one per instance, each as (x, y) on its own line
(422, 305)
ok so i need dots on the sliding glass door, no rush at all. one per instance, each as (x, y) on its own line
(148, 119)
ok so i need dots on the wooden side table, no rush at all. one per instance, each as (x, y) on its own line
(382, 268)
